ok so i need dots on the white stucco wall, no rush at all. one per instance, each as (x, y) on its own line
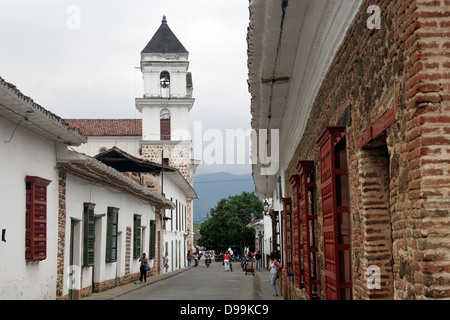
(179, 122)
(25, 154)
(80, 191)
(175, 64)
(129, 144)
(174, 239)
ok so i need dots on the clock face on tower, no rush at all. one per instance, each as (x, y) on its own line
(165, 114)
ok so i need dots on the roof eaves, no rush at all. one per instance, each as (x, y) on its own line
(91, 169)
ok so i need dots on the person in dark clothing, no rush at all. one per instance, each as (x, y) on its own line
(258, 260)
(144, 268)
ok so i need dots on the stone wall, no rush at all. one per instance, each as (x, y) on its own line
(179, 156)
(61, 233)
(391, 89)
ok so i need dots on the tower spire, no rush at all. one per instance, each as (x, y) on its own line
(164, 21)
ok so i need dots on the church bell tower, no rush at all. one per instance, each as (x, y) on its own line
(166, 102)
(165, 107)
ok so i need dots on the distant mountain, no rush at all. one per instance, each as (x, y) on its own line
(211, 187)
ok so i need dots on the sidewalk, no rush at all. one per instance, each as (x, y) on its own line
(266, 287)
(130, 287)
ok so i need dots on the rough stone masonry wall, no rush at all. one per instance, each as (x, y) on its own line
(179, 156)
(61, 234)
(405, 66)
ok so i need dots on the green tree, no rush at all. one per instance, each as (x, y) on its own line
(227, 222)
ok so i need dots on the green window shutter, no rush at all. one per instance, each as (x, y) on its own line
(137, 237)
(111, 234)
(88, 235)
(151, 248)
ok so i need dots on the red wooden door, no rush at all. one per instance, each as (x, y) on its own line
(309, 229)
(336, 230)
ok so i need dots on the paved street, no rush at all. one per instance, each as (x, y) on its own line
(201, 283)
(197, 283)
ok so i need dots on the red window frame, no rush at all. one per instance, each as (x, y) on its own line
(335, 210)
(311, 266)
(287, 234)
(296, 230)
(36, 218)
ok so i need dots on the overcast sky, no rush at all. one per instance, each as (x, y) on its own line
(78, 59)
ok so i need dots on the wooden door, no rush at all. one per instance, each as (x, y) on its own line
(336, 224)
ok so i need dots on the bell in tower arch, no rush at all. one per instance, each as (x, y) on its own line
(164, 81)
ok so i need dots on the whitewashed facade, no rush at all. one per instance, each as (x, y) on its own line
(31, 138)
(45, 188)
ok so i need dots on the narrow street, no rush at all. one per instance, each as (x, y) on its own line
(201, 283)
(196, 283)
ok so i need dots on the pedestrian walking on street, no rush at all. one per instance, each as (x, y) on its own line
(273, 266)
(226, 261)
(258, 260)
(196, 258)
(189, 256)
(144, 267)
(166, 263)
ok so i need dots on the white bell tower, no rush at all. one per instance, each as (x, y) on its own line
(166, 102)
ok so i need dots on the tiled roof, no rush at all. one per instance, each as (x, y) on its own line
(91, 169)
(107, 127)
(164, 41)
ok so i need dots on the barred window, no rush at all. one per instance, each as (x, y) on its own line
(111, 234)
(137, 236)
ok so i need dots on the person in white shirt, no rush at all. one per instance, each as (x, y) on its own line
(273, 266)
(166, 263)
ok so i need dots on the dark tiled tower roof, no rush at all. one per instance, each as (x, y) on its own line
(164, 41)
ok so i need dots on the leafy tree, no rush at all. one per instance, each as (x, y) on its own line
(227, 222)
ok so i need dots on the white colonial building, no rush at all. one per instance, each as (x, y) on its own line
(31, 137)
(70, 224)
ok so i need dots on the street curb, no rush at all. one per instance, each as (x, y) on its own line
(258, 285)
(152, 281)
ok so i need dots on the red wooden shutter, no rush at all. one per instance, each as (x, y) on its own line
(165, 129)
(36, 219)
(335, 215)
(309, 229)
(287, 233)
(298, 272)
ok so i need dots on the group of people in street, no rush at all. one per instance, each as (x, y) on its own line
(273, 265)
(196, 257)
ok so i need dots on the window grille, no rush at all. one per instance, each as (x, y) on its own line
(111, 234)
